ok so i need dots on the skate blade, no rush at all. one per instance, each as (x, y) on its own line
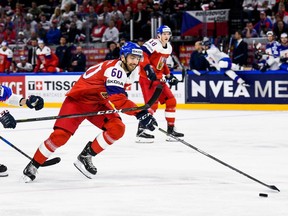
(26, 179)
(3, 174)
(144, 140)
(170, 139)
(82, 169)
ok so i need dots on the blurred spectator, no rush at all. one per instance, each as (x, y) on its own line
(115, 11)
(67, 13)
(122, 41)
(67, 2)
(140, 41)
(140, 19)
(73, 33)
(47, 61)
(100, 8)
(279, 28)
(283, 14)
(23, 65)
(32, 57)
(240, 51)
(10, 35)
(197, 59)
(249, 31)
(57, 15)
(113, 51)
(53, 35)
(249, 8)
(18, 19)
(2, 30)
(98, 30)
(44, 22)
(64, 54)
(21, 39)
(78, 61)
(35, 10)
(111, 33)
(264, 25)
(78, 22)
(6, 56)
(125, 27)
(106, 15)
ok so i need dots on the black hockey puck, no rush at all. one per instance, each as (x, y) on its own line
(263, 195)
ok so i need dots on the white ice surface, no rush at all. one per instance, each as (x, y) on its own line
(159, 179)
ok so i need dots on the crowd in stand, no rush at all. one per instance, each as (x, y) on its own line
(108, 21)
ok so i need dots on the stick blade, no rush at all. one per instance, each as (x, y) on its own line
(273, 187)
(51, 162)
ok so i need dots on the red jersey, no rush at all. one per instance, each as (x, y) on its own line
(105, 81)
(5, 59)
(156, 55)
(46, 58)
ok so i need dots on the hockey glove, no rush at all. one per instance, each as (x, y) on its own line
(172, 80)
(146, 120)
(7, 120)
(36, 102)
(150, 72)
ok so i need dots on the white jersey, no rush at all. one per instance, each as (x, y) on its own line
(214, 55)
(7, 96)
(24, 68)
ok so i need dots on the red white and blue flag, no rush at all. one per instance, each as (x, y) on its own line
(195, 22)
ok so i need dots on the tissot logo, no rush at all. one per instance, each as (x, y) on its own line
(50, 85)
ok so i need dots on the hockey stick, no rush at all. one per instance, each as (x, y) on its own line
(152, 100)
(46, 163)
(273, 187)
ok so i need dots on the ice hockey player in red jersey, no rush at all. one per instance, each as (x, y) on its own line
(96, 88)
(6, 56)
(47, 61)
(154, 71)
(7, 120)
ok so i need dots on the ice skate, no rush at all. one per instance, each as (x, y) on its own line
(84, 162)
(170, 130)
(3, 171)
(30, 171)
(142, 137)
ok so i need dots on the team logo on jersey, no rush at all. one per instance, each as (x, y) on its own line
(161, 63)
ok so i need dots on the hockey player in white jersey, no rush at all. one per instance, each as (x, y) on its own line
(271, 58)
(7, 120)
(221, 62)
(283, 52)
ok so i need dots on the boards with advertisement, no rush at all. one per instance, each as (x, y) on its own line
(53, 87)
(266, 88)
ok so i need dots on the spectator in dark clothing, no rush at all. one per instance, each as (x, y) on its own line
(32, 57)
(113, 51)
(240, 51)
(63, 53)
(279, 28)
(53, 35)
(78, 61)
(197, 59)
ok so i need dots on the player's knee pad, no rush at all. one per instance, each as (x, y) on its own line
(115, 128)
(223, 64)
(59, 137)
(171, 103)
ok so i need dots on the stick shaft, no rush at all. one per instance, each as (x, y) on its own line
(219, 161)
(152, 100)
